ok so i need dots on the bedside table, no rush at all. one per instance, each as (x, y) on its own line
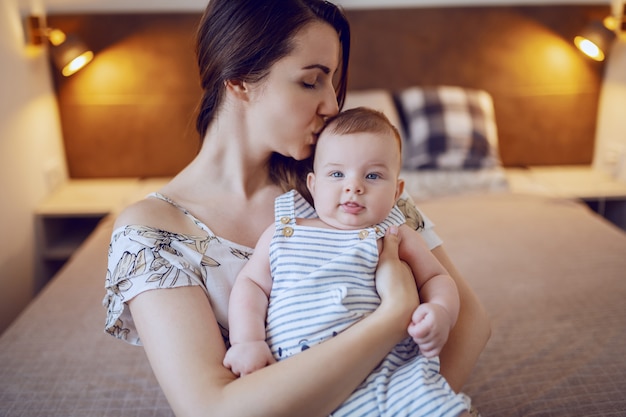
(69, 215)
(601, 192)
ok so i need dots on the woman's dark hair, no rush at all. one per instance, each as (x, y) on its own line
(241, 40)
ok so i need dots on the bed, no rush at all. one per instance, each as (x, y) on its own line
(550, 272)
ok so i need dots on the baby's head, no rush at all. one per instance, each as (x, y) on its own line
(357, 161)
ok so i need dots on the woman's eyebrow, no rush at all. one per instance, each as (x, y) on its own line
(323, 68)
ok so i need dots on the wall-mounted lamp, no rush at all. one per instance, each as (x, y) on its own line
(68, 52)
(596, 38)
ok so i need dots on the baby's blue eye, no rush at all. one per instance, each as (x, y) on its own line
(372, 176)
(336, 174)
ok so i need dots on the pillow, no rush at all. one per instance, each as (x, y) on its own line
(377, 99)
(448, 128)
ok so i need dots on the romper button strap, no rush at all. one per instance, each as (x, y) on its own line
(287, 231)
(363, 234)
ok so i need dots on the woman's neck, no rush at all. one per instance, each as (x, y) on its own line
(229, 159)
(218, 172)
(232, 196)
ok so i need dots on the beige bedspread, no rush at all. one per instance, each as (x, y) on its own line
(551, 274)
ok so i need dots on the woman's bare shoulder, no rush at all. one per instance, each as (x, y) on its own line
(147, 212)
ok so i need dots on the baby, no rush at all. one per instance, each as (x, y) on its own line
(312, 274)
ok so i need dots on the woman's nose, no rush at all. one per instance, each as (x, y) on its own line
(329, 106)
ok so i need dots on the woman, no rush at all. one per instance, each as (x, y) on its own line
(271, 72)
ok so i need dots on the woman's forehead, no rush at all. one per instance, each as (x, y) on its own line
(318, 43)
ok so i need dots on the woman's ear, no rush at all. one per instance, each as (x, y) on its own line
(310, 183)
(238, 88)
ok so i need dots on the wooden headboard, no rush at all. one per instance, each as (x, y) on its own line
(131, 112)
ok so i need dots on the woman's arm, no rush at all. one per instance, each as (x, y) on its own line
(183, 343)
(470, 334)
(472, 330)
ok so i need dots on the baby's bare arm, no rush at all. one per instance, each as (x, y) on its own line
(434, 318)
(247, 311)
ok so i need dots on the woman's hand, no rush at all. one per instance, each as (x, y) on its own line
(394, 281)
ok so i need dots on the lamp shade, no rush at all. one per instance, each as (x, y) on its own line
(71, 55)
(595, 40)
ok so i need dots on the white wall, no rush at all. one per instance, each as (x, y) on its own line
(30, 146)
(610, 146)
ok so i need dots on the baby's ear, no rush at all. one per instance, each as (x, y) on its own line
(310, 183)
(399, 188)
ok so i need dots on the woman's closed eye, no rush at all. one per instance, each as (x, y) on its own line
(310, 84)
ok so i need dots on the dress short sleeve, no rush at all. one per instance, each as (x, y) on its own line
(143, 258)
(418, 221)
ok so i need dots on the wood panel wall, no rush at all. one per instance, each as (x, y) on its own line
(132, 111)
(545, 92)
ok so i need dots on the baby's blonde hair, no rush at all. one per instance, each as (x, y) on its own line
(362, 119)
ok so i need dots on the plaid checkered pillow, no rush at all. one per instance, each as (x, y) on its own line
(448, 128)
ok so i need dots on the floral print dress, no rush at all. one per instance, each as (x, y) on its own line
(143, 258)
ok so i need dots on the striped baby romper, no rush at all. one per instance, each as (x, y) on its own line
(324, 283)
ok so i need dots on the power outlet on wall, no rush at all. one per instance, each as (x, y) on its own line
(620, 167)
(615, 159)
(611, 153)
(53, 175)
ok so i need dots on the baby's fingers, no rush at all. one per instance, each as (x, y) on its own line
(419, 331)
(430, 350)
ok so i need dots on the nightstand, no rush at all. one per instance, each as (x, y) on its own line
(69, 215)
(601, 192)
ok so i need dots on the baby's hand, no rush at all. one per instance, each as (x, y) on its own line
(429, 328)
(247, 357)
